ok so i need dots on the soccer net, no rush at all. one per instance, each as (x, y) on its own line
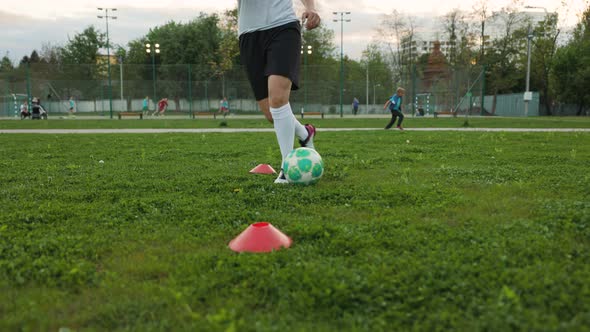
(10, 104)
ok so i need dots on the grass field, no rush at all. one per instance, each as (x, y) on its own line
(348, 122)
(406, 231)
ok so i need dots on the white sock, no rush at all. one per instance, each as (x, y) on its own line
(284, 123)
(300, 130)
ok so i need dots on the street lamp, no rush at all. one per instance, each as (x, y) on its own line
(153, 49)
(305, 54)
(374, 85)
(341, 20)
(527, 94)
(106, 17)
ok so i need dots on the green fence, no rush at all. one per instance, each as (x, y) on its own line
(192, 88)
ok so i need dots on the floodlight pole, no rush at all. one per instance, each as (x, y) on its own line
(152, 49)
(106, 17)
(367, 87)
(528, 72)
(342, 20)
(305, 51)
(121, 78)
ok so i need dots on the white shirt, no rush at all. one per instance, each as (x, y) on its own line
(256, 15)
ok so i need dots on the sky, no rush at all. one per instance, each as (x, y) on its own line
(28, 24)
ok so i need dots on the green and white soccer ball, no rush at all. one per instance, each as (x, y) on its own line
(303, 166)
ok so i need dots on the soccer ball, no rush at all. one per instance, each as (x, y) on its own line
(303, 166)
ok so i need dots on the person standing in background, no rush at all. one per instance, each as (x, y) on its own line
(72, 106)
(355, 106)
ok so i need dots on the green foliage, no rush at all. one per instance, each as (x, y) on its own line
(84, 47)
(380, 82)
(505, 74)
(229, 49)
(543, 51)
(571, 70)
(6, 65)
(195, 42)
(405, 231)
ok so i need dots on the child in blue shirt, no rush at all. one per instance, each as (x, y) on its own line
(145, 105)
(395, 106)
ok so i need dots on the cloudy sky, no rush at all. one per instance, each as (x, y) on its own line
(27, 24)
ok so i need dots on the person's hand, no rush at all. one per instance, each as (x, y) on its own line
(311, 19)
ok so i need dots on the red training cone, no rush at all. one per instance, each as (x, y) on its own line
(260, 237)
(263, 169)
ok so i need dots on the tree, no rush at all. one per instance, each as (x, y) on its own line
(35, 58)
(50, 54)
(543, 52)
(82, 63)
(396, 28)
(24, 61)
(84, 47)
(229, 49)
(480, 11)
(323, 67)
(571, 67)
(196, 42)
(504, 75)
(6, 65)
(379, 76)
(460, 37)
(321, 40)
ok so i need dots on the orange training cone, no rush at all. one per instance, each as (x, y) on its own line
(263, 169)
(260, 237)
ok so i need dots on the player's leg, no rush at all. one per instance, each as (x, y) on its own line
(279, 91)
(305, 133)
(392, 121)
(401, 118)
(265, 108)
(284, 58)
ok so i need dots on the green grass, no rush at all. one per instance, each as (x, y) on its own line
(449, 231)
(348, 122)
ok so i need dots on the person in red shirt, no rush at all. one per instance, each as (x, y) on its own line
(162, 106)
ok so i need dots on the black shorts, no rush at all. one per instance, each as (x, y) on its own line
(275, 51)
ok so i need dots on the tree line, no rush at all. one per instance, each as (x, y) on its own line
(209, 43)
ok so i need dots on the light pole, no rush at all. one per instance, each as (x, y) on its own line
(374, 85)
(106, 17)
(341, 20)
(305, 54)
(366, 56)
(121, 78)
(367, 87)
(527, 95)
(153, 49)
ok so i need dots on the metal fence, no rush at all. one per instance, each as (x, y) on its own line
(191, 88)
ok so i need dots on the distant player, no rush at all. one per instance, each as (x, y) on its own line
(355, 106)
(24, 110)
(224, 107)
(395, 107)
(162, 106)
(145, 105)
(270, 49)
(72, 106)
